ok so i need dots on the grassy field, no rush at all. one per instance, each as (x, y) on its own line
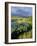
(25, 35)
(18, 20)
(22, 19)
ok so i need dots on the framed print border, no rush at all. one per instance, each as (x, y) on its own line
(6, 22)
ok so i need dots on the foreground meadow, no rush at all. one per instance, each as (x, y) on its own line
(21, 27)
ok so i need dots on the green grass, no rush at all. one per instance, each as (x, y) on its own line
(25, 35)
(19, 20)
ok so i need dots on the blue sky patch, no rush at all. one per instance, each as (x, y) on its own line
(21, 11)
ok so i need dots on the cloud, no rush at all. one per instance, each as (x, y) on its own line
(21, 11)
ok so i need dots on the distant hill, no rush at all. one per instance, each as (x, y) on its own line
(20, 16)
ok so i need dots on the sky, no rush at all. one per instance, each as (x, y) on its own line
(21, 11)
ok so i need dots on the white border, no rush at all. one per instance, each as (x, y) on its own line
(9, 23)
